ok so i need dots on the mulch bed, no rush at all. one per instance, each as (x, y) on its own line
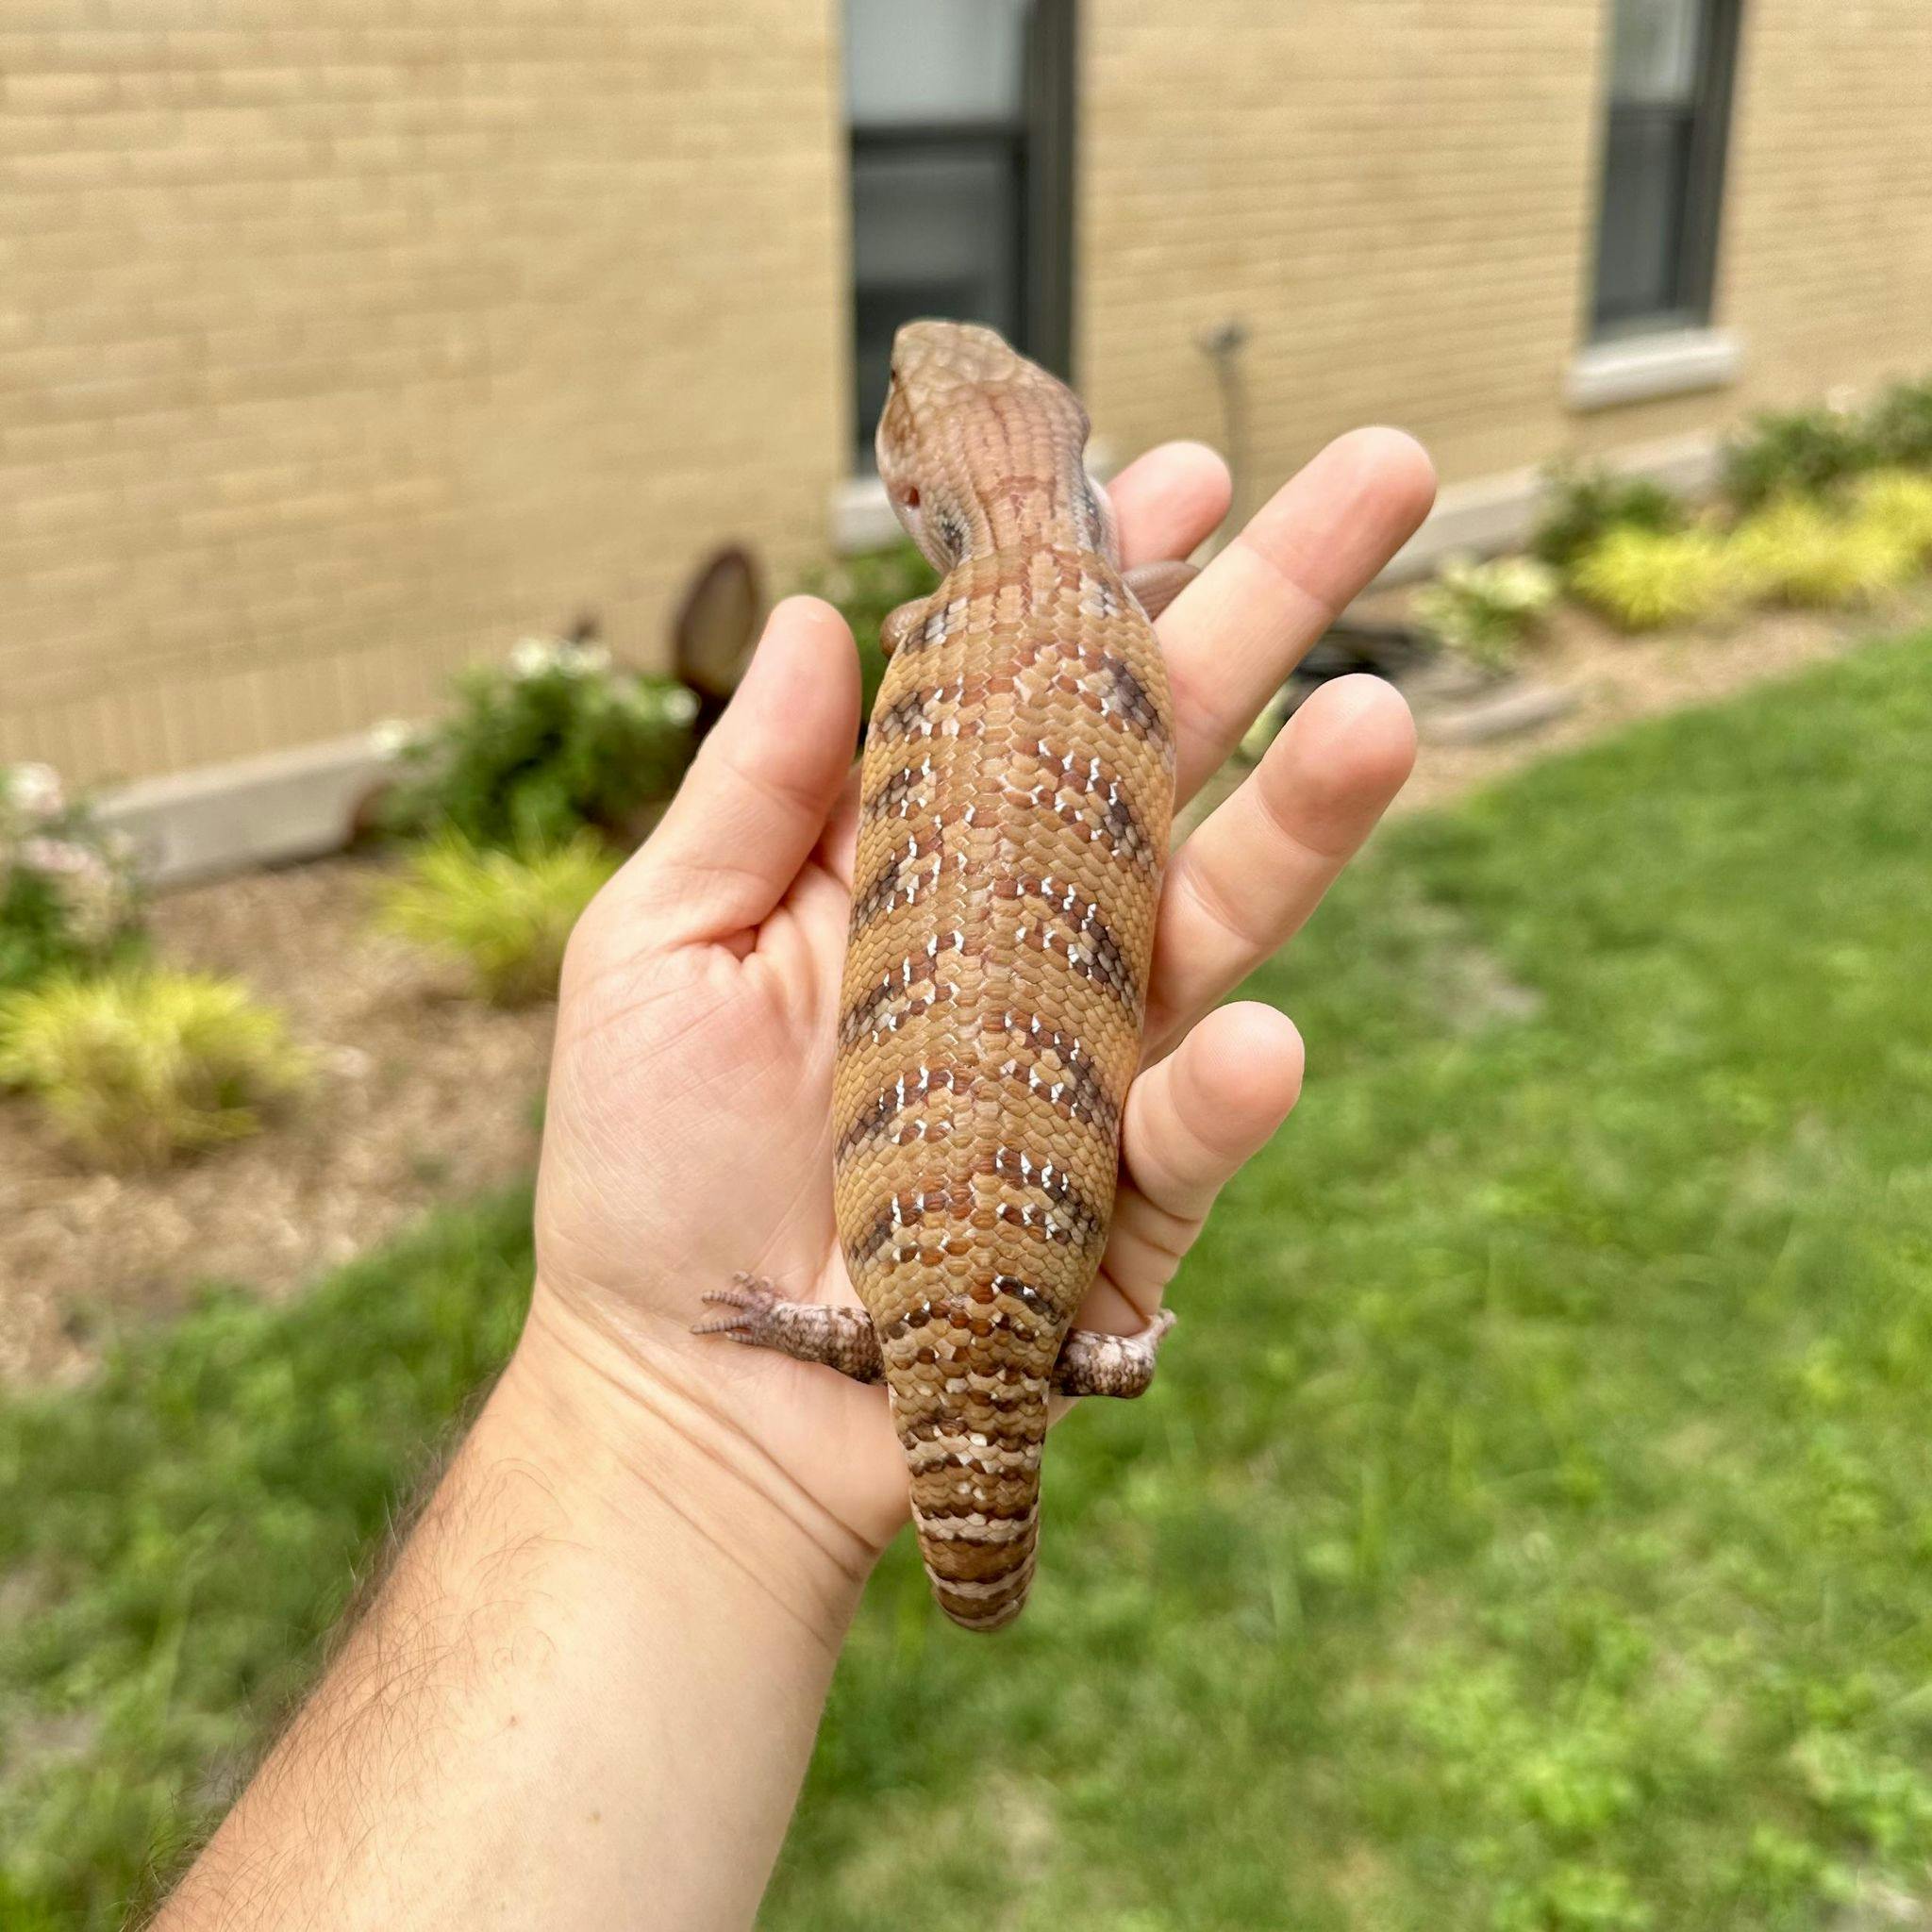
(426, 1096)
(422, 1096)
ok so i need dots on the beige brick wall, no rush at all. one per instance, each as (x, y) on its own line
(333, 355)
(337, 347)
(1397, 197)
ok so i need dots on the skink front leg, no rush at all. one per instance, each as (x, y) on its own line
(1094, 1364)
(1157, 585)
(907, 620)
(840, 1339)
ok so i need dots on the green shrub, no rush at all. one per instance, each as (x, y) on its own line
(866, 588)
(1583, 506)
(1796, 453)
(1647, 579)
(554, 742)
(1901, 426)
(1808, 554)
(143, 1063)
(1485, 610)
(1898, 501)
(67, 889)
(507, 916)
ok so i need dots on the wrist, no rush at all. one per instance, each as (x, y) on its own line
(630, 1446)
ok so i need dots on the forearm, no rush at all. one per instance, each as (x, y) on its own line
(585, 1695)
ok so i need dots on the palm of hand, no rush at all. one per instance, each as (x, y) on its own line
(689, 1132)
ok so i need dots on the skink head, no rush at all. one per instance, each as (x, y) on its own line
(966, 414)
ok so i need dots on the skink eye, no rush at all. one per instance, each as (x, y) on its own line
(909, 496)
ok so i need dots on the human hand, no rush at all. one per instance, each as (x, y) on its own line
(689, 1132)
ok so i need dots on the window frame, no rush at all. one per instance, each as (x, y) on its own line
(1700, 214)
(1036, 147)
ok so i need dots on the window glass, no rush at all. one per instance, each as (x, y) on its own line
(935, 61)
(1643, 183)
(1654, 51)
(1668, 85)
(934, 232)
(954, 208)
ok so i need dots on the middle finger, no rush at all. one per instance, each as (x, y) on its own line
(1248, 879)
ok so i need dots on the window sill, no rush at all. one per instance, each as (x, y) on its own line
(861, 517)
(1638, 368)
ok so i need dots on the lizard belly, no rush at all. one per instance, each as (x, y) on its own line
(1018, 787)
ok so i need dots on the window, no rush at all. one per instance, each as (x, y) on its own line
(1670, 89)
(960, 113)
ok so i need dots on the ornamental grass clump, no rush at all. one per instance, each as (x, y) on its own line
(1899, 501)
(143, 1064)
(558, 740)
(1485, 611)
(1812, 556)
(1648, 579)
(68, 899)
(505, 917)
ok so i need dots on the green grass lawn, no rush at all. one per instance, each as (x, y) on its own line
(1531, 1526)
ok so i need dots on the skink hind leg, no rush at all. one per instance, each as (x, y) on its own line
(842, 1338)
(1094, 1364)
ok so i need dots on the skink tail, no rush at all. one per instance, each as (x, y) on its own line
(975, 1503)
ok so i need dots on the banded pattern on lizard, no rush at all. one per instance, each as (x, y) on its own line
(1017, 792)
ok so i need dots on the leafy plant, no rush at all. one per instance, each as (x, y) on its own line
(1901, 425)
(1645, 580)
(1584, 506)
(557, 740)
(507, 916)
(67, 889)
(1898, 501)
(1796, 453)
(1485, 610)
(867, 587)
(1808, 554)
(144, 1063)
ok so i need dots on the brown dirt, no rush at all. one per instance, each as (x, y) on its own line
(420, 1096)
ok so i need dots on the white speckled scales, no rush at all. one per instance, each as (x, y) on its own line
(1018, 787)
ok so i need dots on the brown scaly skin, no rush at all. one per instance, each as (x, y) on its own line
(1016, 797)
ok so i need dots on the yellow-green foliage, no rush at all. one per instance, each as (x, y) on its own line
(1805, 553)
(1645, 580)
(146, 1063)
(506, 915)
(1899, 501)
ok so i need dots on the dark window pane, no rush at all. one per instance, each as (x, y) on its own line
(933, 233)
(1669, 67)
(1639, 243)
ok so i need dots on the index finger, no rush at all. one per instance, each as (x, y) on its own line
(1235, 633)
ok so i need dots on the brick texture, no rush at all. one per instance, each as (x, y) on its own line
(335, 354)
(1398, 197)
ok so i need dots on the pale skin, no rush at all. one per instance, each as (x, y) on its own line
(587, 1692)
